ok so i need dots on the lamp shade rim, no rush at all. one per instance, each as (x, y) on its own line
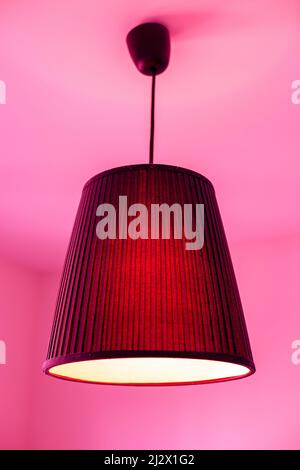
(87, 356)
(147, 166)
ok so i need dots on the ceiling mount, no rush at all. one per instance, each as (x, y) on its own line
(149, 48)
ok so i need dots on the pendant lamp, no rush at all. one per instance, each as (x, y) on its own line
(142, 301)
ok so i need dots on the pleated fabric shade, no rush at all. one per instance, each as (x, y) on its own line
(148, 311)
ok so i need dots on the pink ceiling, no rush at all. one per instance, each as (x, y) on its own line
(77, 106)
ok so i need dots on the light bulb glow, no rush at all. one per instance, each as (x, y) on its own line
(149, 370)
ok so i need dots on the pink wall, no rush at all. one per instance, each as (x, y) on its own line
(260, 412)
(18, 301)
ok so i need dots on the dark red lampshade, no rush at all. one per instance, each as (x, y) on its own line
(148, 311)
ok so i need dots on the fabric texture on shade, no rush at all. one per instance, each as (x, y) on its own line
(148, 298)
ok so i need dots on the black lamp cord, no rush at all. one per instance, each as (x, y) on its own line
(152, 121)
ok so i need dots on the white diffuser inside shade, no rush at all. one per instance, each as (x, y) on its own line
(149, 370)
